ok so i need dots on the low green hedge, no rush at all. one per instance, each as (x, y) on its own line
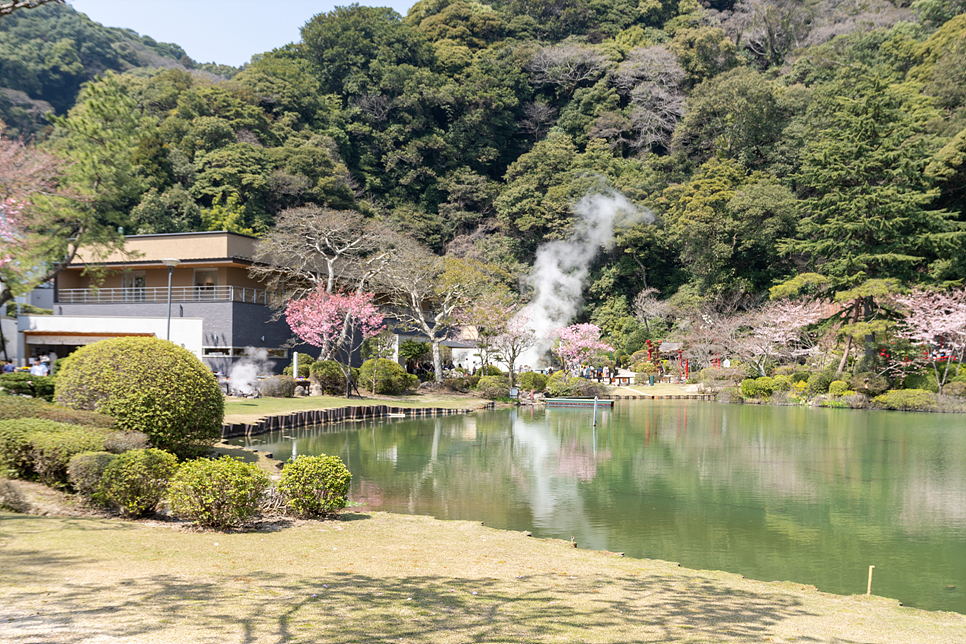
(52, 445)
(907, 400)
(24, 384)
(30, 446)
(316, 485)
(19, 407)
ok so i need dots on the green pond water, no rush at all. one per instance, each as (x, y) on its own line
(814, 496)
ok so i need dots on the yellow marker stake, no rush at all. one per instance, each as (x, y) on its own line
(869, 590)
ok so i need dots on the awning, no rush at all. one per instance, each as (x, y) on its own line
(73, 338)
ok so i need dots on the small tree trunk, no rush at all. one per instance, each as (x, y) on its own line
(437, 360)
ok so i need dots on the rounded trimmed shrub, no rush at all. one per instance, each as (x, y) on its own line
(493, 387)
(533, 380)
(218, 493)
(135, 482)
(315, 485)
(85, 471)
(749, 388)
(278, 386)
(766, 386)
(459, 385)
(818, 383)
(838, 387)
(559, 384)
(644, 367)
(329, 375)
(869, 384)
(955, 388)
(391, 379)
(148, 385)
(489, 370)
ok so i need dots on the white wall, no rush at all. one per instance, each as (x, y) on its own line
(186, 332)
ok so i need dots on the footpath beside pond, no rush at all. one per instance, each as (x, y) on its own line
(375, 577)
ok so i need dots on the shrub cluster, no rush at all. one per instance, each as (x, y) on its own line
(24, 384)
(278, 386)
(134, 482)
(955, 388)
(328, 374)
(907, 400)
(315, 485)
(305, 364)
(493, 387)
(390, 378)
(921, 381)
(459, 385)
(762, 387)
(533, 380)
(220, 493)
(559, 384)
(838, 387)
(818, 383)
(85, 471)
(148, 385)
(869, 383)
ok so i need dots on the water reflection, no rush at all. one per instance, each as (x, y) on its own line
(813, 496)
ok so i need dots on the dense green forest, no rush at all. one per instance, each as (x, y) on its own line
(770, 138)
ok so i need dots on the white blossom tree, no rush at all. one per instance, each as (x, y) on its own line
(934, 321)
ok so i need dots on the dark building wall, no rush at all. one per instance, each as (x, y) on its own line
(226, 324)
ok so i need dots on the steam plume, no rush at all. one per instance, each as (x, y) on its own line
(243, 375)
(560, 271)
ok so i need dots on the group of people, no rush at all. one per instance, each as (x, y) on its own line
(42, 366)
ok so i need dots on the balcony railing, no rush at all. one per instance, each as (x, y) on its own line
(134, 295)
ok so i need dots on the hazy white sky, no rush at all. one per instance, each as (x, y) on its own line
(220, 31)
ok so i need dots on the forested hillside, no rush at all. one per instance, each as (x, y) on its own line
(770, 138)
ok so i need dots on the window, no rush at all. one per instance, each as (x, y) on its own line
(133, 286)
(206, 283)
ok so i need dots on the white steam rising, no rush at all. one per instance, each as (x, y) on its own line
(243, 376)
(561, 268)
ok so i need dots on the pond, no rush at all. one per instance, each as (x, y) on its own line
(814, 496)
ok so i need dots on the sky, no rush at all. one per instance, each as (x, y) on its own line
(221, 31)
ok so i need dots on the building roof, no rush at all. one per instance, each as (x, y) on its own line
(219, 247)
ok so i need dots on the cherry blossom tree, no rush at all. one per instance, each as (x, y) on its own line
(337, 323)
(777, 331)
(935, 321)
(484, 319)
(517, 336)
(578, 343)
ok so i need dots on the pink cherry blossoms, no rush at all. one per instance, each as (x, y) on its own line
(327, 320)
(578, 343)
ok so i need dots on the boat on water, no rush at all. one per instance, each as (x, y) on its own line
(578, 402)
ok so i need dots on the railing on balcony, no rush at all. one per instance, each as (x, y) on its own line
(134, 295)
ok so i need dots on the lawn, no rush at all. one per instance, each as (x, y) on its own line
(376, 577)
(249, 410)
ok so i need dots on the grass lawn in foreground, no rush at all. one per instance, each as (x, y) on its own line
(249, 410)
(376, 577)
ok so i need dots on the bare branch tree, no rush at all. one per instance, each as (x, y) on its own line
(647, 307)
(312, 247)
(6, 8)
(567, 65)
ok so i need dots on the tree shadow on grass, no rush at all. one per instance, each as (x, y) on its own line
(346, 607)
